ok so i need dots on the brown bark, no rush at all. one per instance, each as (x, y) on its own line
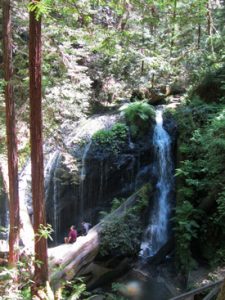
(41, 265)
(209, 18)
(11, 137)
(210, 23)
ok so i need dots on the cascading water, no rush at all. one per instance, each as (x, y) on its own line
(51, 180)
(25, 187)
(157, 232)
(4, 216)
(82, 177)
(81, 181)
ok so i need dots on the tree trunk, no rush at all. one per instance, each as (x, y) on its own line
(41, 265)
(11, 137)
(209, 18)
(210, 23)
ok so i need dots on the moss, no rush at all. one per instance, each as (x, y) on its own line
(111, 141)
(139, 117)
(122, 235)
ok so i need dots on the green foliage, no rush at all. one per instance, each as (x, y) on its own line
(142, 200)
(141, 204)
(139, 116)
(75, 289)
(212, 86)
(3, 229)
(42, 7)
(23, 155)
(116, 202)
(17, 289)
(111, 141)
(218, 258)
(200, 179)
(219, 217)
(186, 229)
(45, 231)
(26, 293)
(159, 42)
(121, 236)
(2, 85)
(115, 293)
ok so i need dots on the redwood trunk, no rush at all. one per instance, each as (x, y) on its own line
(209, 18)
(11, 137)
(41, 269)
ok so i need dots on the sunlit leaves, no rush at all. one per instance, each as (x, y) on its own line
(42, 7)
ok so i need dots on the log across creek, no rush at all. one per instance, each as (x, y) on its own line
(69, 260)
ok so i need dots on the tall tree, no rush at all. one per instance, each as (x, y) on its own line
(11, 137)
(41, 263)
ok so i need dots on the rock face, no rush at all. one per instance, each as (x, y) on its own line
(82, 179)
(100, 177)
(3, 215)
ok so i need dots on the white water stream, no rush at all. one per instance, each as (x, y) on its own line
(82, 176)
(156, 234)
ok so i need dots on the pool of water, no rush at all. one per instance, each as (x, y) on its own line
(148, 290)
(155, 291)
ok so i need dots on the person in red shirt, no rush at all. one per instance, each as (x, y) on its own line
(72, 236)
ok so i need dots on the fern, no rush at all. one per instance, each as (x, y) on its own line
(139, 116)
(41, 8)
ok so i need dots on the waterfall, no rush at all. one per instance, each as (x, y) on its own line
(82, 177)
(52, 186)
(156, 234)
(25, 187)
(4, 216)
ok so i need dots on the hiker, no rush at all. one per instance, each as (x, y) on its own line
(72, 236)
(85, 227)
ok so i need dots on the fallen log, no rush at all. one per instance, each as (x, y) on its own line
(69, 260)
(66, 261)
